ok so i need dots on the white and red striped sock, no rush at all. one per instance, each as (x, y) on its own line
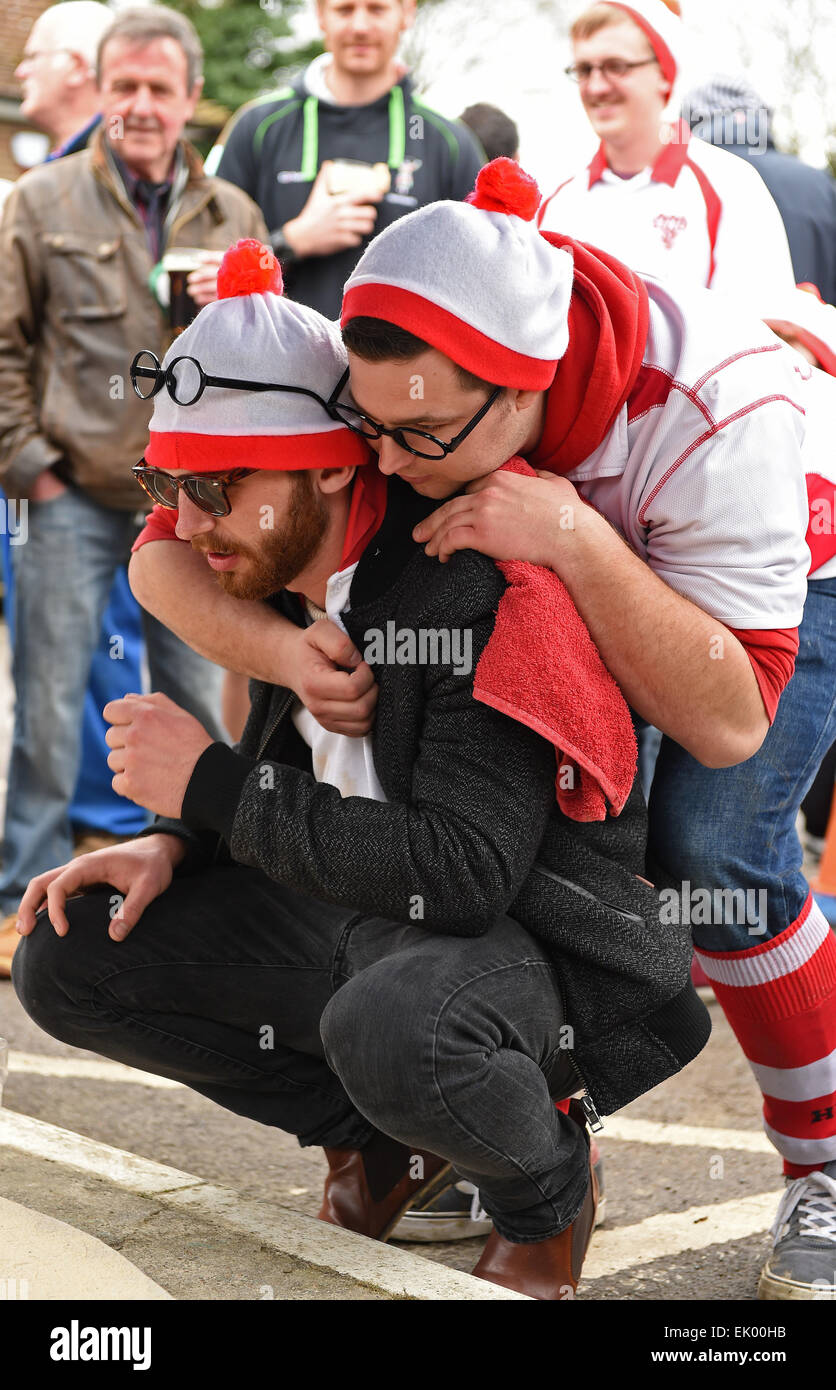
(780, 999)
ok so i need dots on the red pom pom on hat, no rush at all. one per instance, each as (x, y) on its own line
(249, 267)
(502, 186)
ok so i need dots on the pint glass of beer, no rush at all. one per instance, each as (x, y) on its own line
(179, 262)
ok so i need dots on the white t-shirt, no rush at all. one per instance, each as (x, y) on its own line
(346, 763)
(699, 216)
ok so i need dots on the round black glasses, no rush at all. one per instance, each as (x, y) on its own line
(185, 380)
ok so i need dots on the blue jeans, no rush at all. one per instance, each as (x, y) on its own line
(95, 803)
(330, 1025)
(734, 827)
(63, 575)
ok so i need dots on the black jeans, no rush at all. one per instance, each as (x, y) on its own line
(329, 1025)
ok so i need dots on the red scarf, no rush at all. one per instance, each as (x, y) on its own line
(366, 513)
(608, 321)
(566, 694)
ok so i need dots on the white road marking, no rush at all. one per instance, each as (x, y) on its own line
(116, 1165)
(683, 1136)
(39, 1064)
(46, 1258)
(672, 1233)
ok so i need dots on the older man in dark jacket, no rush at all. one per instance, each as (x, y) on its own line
(398, 948)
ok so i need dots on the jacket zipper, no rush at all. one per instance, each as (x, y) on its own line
(280, 713)
(593, 1119)
(175, 200)
(585, 893)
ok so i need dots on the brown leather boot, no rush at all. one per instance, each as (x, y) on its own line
(544, 1269)
(368, 1190)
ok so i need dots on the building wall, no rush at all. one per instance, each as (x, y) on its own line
(16, 19)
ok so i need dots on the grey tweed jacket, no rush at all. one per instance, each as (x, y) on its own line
(471, 825)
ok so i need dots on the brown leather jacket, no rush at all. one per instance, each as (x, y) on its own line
(75, 307)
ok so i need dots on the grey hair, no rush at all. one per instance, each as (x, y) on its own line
(144, 23)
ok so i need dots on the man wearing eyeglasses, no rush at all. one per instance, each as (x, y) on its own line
(57, 73)
(664, 202)
(399, 908)
(680, 210)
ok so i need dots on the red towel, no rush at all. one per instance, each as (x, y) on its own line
(542, 668)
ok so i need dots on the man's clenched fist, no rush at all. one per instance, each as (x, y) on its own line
(155, 745)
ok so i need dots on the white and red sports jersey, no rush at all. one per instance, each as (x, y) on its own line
(703, 470)
(698, 215)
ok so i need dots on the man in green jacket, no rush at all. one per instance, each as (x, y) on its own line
(344, 151)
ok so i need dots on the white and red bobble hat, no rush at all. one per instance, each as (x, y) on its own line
(252, 333)
(804, 315)
(475, 280)
(660, 22)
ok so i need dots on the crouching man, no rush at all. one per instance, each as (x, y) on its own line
(440, 949)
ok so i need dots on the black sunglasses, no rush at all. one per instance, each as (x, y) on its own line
(186, 381)
(206, 490)
(407, 438)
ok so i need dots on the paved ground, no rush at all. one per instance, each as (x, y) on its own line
(689, 1205)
